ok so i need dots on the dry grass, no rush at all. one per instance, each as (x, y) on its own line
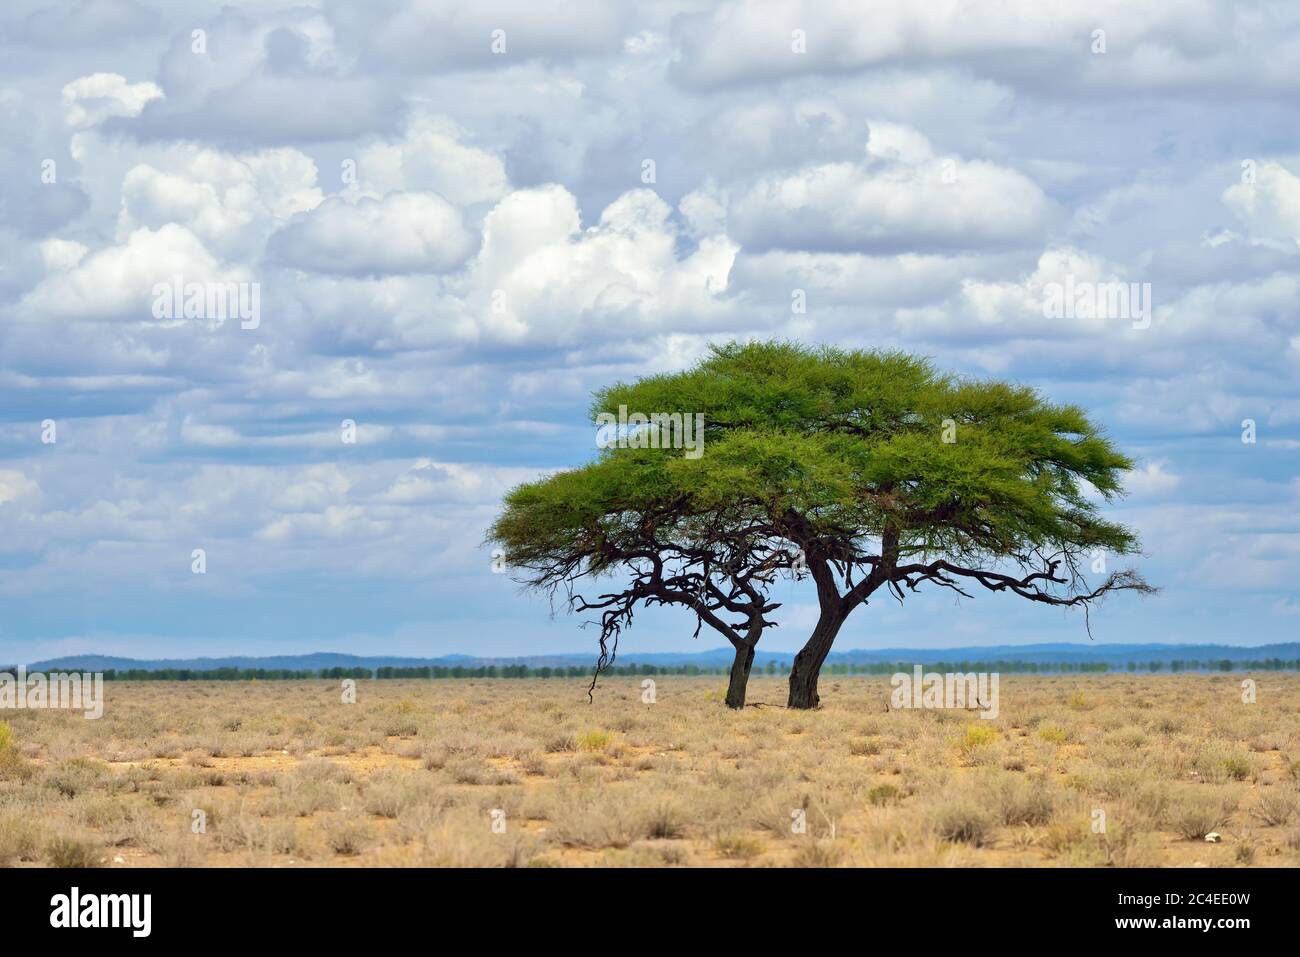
(526, 773)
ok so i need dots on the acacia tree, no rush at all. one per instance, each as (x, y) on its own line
(861, 470)
(670, 533)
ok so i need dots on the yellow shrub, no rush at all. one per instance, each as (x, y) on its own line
(597, 740)
(738, 847)
(1054, 733)
(12, 764)
(978, 735)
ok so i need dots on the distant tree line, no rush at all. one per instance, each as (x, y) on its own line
(1222, 664)
(629, 671)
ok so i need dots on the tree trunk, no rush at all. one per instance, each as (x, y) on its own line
(740, 676)
(808, 662)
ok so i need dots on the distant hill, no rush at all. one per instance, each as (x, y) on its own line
(1112, 655)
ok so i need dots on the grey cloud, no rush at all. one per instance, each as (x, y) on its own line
(894, 204)
(402, 233)
(1211, 47)
(29, 204)
(440, 36)
(259, 83)
(60, 24)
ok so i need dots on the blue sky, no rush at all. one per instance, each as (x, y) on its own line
(450, 221)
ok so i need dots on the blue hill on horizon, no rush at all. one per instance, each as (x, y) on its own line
(1053, 653)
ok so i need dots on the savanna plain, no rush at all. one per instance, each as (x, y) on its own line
(1076, 770)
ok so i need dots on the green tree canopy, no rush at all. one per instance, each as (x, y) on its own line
(859, 469)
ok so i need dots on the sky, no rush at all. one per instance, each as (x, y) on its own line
(458, 220)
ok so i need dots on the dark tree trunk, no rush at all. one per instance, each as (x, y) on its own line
(740, 676)
(808, 662)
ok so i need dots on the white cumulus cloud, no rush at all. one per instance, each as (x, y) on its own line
(92, 99)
